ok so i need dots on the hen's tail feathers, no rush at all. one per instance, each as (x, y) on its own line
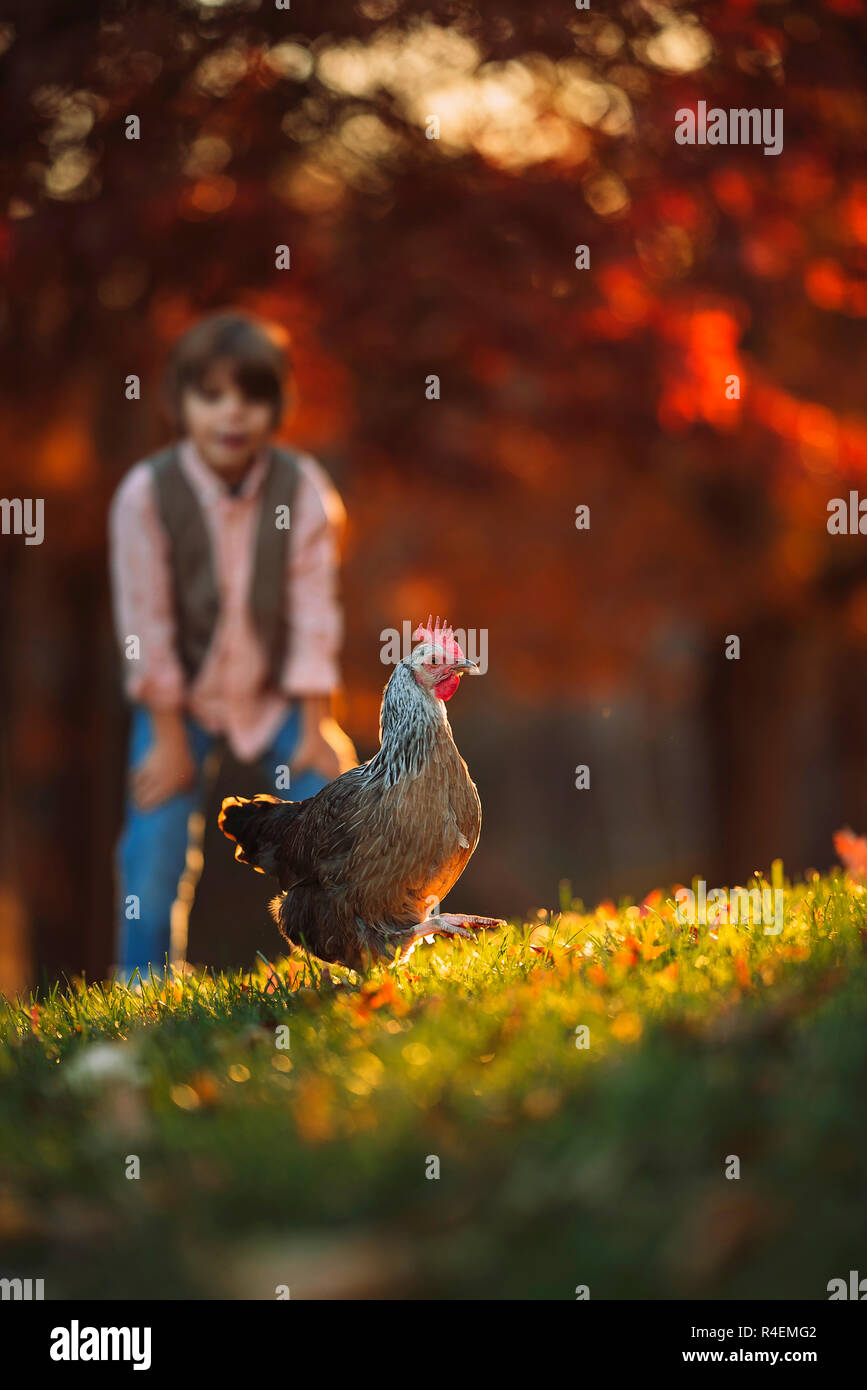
(253, 825)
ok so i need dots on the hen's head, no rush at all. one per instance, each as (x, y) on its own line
(438, 663)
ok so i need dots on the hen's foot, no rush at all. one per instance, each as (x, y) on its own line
(462, 919)
(448, 924)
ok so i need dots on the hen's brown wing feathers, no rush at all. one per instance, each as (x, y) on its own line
(321, 835)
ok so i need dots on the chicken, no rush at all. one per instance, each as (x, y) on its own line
(363, 864)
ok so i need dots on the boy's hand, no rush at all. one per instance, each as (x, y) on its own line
(324, 748)
(168, 767)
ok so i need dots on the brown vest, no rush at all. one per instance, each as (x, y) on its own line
(196, 595)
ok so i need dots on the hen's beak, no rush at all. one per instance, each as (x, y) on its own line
(466, 666)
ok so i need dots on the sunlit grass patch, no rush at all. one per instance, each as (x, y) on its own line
(579, 1079)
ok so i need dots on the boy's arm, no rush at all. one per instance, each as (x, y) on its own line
(167, 767)
(323, 746)
(311, 673)
(145, 624)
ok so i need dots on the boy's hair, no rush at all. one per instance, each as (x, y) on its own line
(252, 351)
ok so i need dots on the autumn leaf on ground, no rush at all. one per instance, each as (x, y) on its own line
(852, 850)
(628, 954)
(651, 947)
(377, 995)
(651, 903)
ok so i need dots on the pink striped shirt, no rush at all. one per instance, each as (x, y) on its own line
(231, 694)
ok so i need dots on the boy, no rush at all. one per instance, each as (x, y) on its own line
(234, 612)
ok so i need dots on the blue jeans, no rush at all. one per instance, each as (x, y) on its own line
(152, 853)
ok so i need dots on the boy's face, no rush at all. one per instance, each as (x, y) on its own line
(227, 427)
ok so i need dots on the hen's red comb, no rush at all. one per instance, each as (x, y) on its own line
(440, 634)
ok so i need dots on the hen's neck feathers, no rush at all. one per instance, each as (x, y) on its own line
(412, 722)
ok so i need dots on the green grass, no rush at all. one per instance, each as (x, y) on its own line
(559, 1165)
